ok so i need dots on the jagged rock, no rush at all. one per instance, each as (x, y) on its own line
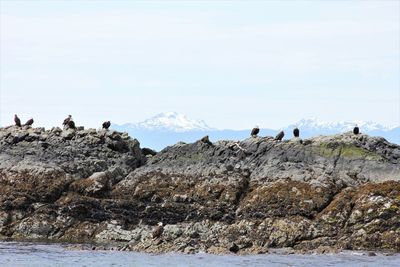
(322, 195)
(68, 134)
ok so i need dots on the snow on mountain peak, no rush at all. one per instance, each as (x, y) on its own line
(172, 121)
(316, 124)
(177, 122)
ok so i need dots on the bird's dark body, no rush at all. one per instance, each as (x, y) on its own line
(280, 135)
(71, 125)
(29, 122)
(296, 132)
(158, 230)
(106, 125)
(255, 131)
(206, 140)
(66, 121)
(17, 121)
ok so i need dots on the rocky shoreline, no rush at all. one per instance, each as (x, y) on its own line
(324, 194)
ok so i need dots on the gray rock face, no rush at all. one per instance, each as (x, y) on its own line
(43, 163)
(339, 191)
(346, 158)
(77, 153)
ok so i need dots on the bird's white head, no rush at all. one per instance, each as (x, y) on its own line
(256, 127)
(160, 224)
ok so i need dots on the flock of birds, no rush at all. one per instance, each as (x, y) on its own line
(296, 132)
(68, 123)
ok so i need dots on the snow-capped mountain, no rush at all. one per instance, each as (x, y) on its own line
(316, 125)
(169, 128)
(170, 121)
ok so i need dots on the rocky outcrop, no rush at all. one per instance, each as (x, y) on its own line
(38, 167)
(341, 192)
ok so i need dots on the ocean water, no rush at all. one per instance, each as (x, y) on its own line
(35, 254)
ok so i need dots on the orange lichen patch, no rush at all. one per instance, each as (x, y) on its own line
(179, 188)
(368, 216)
(285, 198)
(378, 205)
(341, 202)
(389, 189)
(80, 185)
(46, 188)
(146, 186)
(377, 199)
(372, 200)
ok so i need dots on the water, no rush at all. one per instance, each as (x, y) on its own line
(34, 254)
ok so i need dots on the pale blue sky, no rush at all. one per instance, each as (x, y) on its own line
(231, 63)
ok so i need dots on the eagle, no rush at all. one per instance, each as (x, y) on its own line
(106, 125)
(356, 130)
(17, 121)
(255, 131)
(279, 136)
(71, 124)
(296, 132)
(158, 230)
(206, 140)
(29, 122)
(66, 121)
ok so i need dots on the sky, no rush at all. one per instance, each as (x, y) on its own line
(233, 64)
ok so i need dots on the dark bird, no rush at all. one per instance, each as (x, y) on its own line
(296, 132)
(17, 121)
(356, 130)
(71, 124)
(279, 136)
(206, 140)
(255, 131)
(158, 230)
(106, 125)
(66, 121)
(29, 122)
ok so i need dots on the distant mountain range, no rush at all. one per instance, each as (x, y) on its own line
(169, 122)
(169, 128)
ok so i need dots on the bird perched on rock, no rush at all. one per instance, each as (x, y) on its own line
(279, 136)
(158, 230)
(17, 121)
(296, 132)
(66, 121)
(255, 131)
(206, 140)
(356, 130)
(29, 122)
(71, 125)
(106, 125)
